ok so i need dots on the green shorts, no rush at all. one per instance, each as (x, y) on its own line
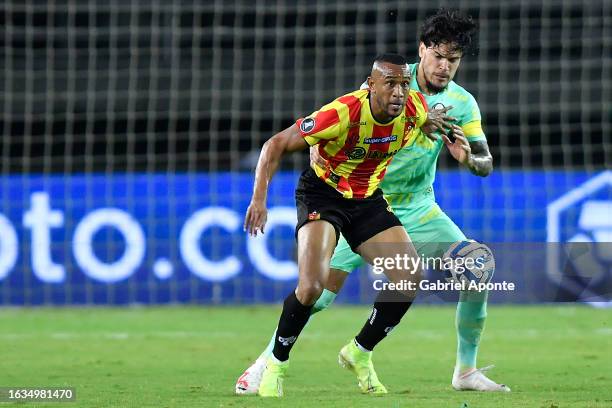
(430, 229)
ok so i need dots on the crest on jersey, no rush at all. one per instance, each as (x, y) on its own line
(307, 125)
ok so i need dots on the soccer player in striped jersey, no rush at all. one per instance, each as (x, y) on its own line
(444, 38)
(357, 134)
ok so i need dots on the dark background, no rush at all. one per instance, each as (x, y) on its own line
(163, 86)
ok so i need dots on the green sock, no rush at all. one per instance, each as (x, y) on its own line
(323, 302)
(326, 299)
(470, 321)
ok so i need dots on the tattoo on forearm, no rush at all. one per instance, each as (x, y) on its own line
(481, 162)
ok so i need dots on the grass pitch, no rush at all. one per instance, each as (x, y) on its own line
(552, 357)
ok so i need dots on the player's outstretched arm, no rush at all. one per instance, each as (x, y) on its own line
(287, 141)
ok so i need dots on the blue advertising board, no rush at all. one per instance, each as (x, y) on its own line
(178, 238)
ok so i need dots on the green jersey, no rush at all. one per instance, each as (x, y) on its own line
(414, 167)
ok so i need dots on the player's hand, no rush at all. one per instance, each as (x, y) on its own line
(316, 158)
(460, 149)
(437, 121)
(256, 217)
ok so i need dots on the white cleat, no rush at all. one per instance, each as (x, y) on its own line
(476, 381)
(248, 382)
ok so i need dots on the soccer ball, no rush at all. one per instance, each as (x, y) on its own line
(469, 261)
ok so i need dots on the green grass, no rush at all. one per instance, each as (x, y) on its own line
(558, 356)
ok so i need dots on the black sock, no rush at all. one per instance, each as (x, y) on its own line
(385, 316)
(291, 322)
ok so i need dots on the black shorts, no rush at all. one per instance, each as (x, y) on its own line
(357, 219)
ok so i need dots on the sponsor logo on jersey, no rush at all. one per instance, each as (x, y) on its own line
(376, 140)
(355, 124)
(357, 153)
(381, 155)
(334, 177)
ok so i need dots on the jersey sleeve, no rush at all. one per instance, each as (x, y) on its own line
(470, 121)
(323, 124)
(421, 108)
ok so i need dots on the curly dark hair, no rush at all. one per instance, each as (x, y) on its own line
(450, 27)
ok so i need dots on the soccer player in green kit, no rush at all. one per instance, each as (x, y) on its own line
(444, 38)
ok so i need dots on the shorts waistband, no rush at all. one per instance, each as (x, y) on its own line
(402, 199)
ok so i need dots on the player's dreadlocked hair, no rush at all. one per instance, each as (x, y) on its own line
(450, 27)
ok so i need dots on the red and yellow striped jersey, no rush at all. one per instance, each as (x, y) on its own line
(357, 147)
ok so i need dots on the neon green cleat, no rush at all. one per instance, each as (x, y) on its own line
(360, 362)
(272, 378)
